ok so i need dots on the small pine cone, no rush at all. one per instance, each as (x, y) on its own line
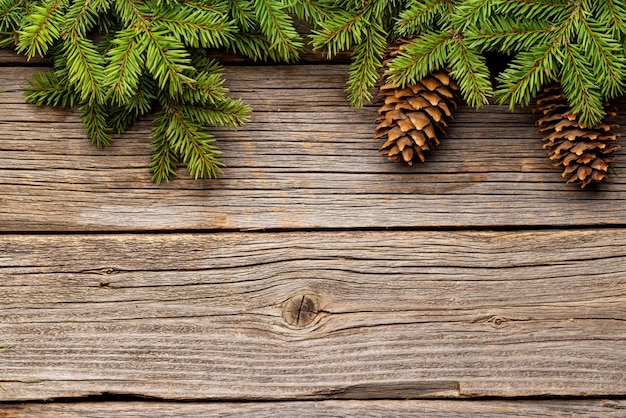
(412, 119)
(585, 153)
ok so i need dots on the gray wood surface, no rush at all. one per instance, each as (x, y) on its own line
(389, 315)
(307, 160)
(225, 290)
(9, 57)
(401, 409)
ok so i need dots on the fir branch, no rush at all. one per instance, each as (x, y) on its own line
(8, 39)
(126, 64)
(100, 6)
(166, 57)
(49, 89)
(310, 10)
(420, 14)
(421, 56)
(41, 28)
(509, 35)
(208, 88)
(555, 10)
(94, 117)
(228, 112)
(190, 143)
(146, 93)
(196, 28)
(383, 11)
(578, 85)
(581, 51)
(142, 58)
(167, 60)
(11, 14)
(122, 117)
(366, 59)
(133, 14)
(254, 46)
(85, 68)
(613, 14)
(242, 12)
(471, 72)
(471, 13)
(520, 82)
(80, 18)
(339, 32)
(278, 27)
(163, 160)
(609, 69)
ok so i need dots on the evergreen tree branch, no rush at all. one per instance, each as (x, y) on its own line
(166, 57)
(85, 68)
(578, 85)
(196, 28)
(471, 13)
(339, 32)
(242, 12)
(228, 112)
(278, 27)
(188, 141)
(122, 117)
(471, 72)
(126, 64)
(520, 82)
(419, 14)
(80, 18)
(94, 117)
(42, 28)
(613, 14)
(609, 69)
(50, 89)
(366, 59)
(207, 90)
(167, 60)
(11, 14)
(8, 39)
(509, 35)
(554, 10)
(163, 160)
(310, 10)
(421, 56)
(254, 46)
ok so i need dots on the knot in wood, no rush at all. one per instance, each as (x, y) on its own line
(497, 321)
(300, 311)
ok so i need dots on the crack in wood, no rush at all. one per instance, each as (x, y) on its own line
(394, 390)
(105, 271)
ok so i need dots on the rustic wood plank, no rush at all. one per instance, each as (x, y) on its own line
(314, 315)
(307, 160)
(10, 57)
(431, 408)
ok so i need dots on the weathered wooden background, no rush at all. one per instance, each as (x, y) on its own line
(314, 277)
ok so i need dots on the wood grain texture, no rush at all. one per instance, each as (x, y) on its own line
(397, 315)
(401, 409)
(307, 160)
(9, 57)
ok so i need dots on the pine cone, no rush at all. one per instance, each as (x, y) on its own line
(585, 153)
(413, 118)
